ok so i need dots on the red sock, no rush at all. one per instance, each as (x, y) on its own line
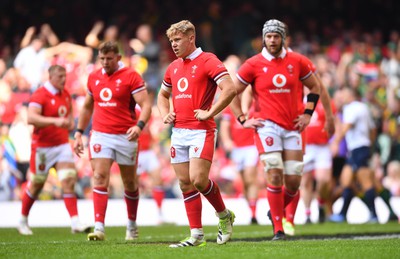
(321, 201)
(213, 195)
(27, 202)
(132, 202)
(275, 200)
(291, 202)
(158, 195)
(253, 207)
(193, 208)
(100, 200)
(70, 202)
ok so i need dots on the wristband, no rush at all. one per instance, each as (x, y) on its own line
(311, 98)
(241, 121)
(141, 124)
(80, 131)
(309, 112)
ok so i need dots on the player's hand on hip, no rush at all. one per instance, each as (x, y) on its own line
(169, 118)
(301, 122)
(133, 133)
(253, 123)
(201, 115)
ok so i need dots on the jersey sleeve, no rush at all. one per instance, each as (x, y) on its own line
(167, 84)
(305, 67)
(245, 73)
(310, 64)
(37, 99)
(215, 68)
(137, 83)
(90, 83)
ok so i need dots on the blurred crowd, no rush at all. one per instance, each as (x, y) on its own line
(368, 60)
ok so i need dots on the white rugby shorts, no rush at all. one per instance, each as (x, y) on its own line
(44, 158)
(243, 157)
(272, 137)
(317, 157)
(114, 146)
(147, 162)
(191, 143)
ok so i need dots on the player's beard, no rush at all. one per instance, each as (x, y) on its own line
(274, 52)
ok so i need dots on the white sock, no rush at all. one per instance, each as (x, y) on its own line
(223, 214)
(99, 226)
(197, 232)
(75, 221)
(131, 224)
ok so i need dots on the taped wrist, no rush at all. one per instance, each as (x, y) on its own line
(241, 121)
(311, 98)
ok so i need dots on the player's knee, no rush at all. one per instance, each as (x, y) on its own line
(39, 179)
(66, 173)
(272, 160)
(293, 167)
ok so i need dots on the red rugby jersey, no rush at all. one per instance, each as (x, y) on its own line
(114, 106)
(193, 83)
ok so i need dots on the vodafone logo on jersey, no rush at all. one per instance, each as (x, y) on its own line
(279, 80)
(183, 85)
(105, 94)
(62, 111)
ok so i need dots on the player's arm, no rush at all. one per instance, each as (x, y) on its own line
(36, 118)
(225, 134)
(326, 103)
(313, 85)
(236, 107)
(163, 105)
(84, 117)
(85, 114)
(246, 99)
(71, 121)
(142, 99)
(228, 92)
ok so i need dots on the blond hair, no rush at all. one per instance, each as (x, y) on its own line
(55, 68)
(109, 46)
(185, 27)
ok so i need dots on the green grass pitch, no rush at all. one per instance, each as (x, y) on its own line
(311, 241)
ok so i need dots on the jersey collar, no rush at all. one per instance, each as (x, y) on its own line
(269, 57)
(49, 87)
(194, 54)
